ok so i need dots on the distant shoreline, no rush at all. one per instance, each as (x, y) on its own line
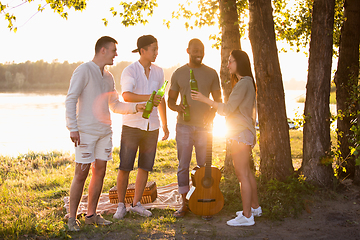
(64, 92)
(39, 91)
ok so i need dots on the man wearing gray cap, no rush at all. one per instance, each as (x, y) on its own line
(138, 81)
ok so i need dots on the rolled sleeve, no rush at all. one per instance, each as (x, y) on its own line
(127, 80)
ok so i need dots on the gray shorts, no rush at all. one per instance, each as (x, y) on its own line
(133, 139)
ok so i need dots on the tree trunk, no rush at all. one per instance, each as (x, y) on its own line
(317, 161)
(230, 39)
(275, 151)
(357, 168)
(346, 80)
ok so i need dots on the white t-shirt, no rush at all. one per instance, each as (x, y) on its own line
(88, 100)
(133, 79)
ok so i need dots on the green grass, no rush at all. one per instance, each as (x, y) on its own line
(33, 185)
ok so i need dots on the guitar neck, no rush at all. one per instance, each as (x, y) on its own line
(208, 160)
(208, 127)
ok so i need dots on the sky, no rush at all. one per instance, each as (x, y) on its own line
(46, 36)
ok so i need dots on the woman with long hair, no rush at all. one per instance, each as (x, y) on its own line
(240, 112)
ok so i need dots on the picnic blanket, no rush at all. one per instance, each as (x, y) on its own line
(167, 197)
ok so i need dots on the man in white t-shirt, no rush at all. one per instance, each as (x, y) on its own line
(138, 81)
(91, 93)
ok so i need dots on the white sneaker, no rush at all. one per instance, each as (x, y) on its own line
(241, 220)
(257, 212)
(120, 211)
(139, 209)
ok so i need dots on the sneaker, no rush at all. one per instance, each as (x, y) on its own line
(257, 212)
(120, 211)
(139, 209)
(74, 225)
(241, 220)
(97, 219)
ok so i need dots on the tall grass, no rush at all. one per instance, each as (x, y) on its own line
(33, 185)
(31, 190)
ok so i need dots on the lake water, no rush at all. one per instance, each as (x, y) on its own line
(33, 122)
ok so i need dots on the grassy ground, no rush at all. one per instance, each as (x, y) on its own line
(32, 187)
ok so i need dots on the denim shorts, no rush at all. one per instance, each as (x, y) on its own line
(188, 137)
(245, 137)
(133, 139)
(93, 147)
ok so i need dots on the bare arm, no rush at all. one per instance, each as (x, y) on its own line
(133, 97)
(209, 116)
(201, 98)
(173, 95)
(162, 112)
(216, 95)
(198, 96)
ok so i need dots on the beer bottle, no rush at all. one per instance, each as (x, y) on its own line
(149, 105)
(193, 82)
(186, 115)
(161, 91)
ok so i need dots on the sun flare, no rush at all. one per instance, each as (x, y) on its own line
(219, 126)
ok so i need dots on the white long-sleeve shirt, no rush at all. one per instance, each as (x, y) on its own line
(88, 100)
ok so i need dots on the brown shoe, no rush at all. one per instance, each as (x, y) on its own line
(73, 225)
(181, 212)
(97, 219)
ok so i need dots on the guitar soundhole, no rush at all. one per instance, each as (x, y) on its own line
(207, 182)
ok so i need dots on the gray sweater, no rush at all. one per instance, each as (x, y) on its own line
(88, 100)
(240, 110)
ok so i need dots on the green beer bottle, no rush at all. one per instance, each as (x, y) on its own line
(186, 115)
(149, 105)
(161, 91)
(193, 82)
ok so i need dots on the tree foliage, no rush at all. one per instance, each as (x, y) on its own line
(59, 6)
(292, 19)
(293, 22)
(131, 13)
(207, 13)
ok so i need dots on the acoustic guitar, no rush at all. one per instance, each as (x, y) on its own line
(206, 198)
